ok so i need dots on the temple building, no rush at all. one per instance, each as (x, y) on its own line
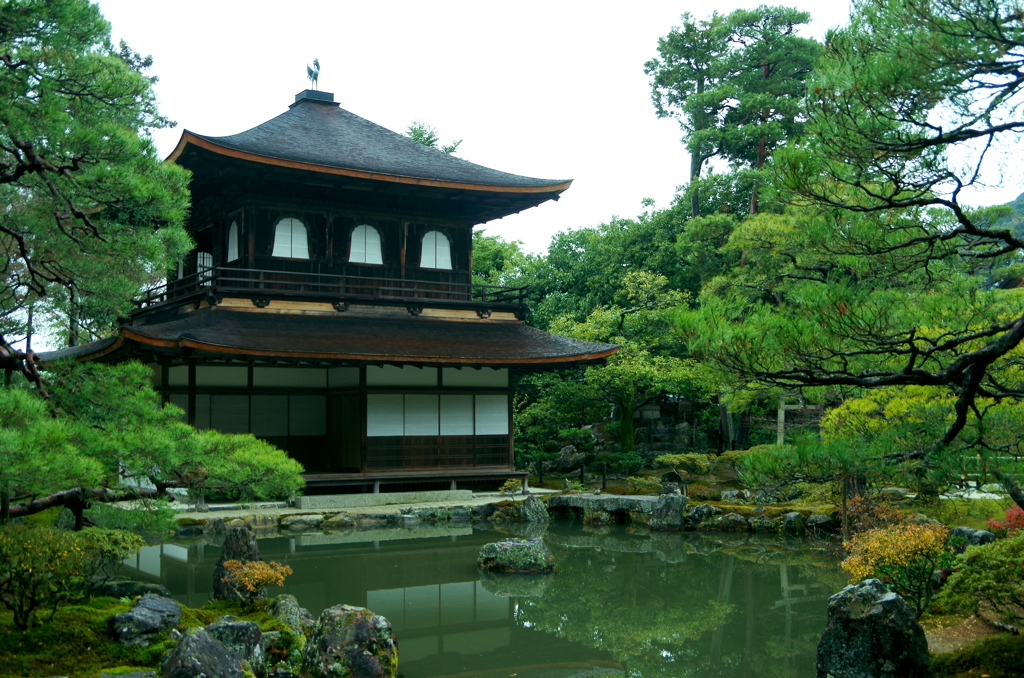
(328, 306)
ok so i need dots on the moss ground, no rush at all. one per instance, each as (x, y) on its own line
(1000, 656)
(77, 643)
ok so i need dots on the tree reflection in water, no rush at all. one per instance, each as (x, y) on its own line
(686, 605)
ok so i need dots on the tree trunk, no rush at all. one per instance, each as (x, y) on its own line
(627, 437)
(65, 498)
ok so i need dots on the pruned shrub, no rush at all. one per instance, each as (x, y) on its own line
(42, 568)
(254, 576)
(992, 576)
(690, 462)
(643, 485)
(700, 491)
(903, 556)
(511, 486)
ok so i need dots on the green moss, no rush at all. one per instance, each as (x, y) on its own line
(78, 644)
(999, 656)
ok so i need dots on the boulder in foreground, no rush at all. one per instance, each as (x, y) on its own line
(872, 633)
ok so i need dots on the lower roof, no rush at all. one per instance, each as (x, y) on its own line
(412, 340)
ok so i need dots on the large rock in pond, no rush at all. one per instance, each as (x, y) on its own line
(534, 511)
(516, 555)
(146, 621)
(872, 633)
(199, 655)
(239, 544)
(669, 512)
(350, 641)
(515, 585)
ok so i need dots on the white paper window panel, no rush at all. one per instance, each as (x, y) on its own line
(392, 375)
(456, 604)
(421, 415)
(229, 413)
(307, 415)
(149, 560)
(491, 415)
(174, 551)
(295, 377)
(233, 241)
(366, 247)
(202, 410)
(490, 607)
(388, 603)
(205, 271)
(177, 375)
(422, 607)
(222, 375)
(343, 376)
(474, 378)
(436, 251)
(385, 415)
(290, 240)
(157, 374)
(180, 400)
(269, 415)
(456, 415)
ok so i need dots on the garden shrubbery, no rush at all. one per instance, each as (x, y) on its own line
(903, 556)
(688, 462)
(42, 568)
(990, 576)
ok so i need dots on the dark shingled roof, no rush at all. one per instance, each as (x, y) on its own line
(352, 338)
(320, 133)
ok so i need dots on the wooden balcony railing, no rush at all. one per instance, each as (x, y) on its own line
(264, 284)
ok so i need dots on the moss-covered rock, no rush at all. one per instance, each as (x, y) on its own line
(350, 641)
(517, 556)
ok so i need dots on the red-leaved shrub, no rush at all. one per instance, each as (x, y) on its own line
(1014, 521)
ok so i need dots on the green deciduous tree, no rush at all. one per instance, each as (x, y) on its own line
(880, 276)
(651, 362)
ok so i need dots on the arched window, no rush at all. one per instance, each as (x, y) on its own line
(290, 240)
(437, 251)
(366, 247)
(233, 241)
(204, 268)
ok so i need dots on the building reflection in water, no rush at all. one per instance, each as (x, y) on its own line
(448, 623)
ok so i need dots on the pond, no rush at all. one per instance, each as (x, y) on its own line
(620, 604)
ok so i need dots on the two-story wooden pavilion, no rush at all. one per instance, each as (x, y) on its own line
(328, 305)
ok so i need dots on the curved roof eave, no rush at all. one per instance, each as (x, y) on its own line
(193, 344)
(188, 137)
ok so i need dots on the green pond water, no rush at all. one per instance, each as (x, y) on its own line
(620, 603)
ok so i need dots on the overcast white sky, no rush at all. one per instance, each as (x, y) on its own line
(545, 88)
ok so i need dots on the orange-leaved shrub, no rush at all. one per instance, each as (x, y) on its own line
(254, 576)
(904, 556)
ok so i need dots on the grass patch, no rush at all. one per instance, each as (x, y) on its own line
(999, 656)
(967, 512)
